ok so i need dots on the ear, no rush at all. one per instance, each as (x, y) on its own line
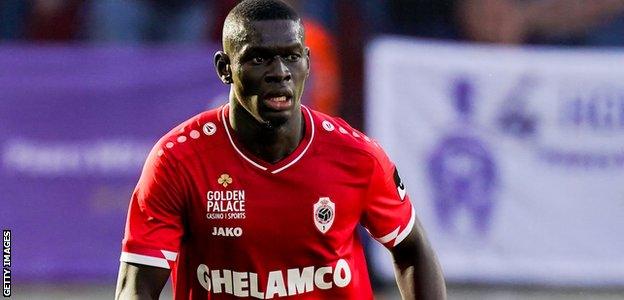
(222, 66)
(307, 57)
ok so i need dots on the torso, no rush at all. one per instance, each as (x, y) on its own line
(256, 224)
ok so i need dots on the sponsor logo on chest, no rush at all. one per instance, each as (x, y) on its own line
(225, 204)
(278, 283)
(227, 231)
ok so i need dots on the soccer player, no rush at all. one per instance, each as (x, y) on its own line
(261, 198)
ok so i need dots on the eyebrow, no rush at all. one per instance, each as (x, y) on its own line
(262, 49)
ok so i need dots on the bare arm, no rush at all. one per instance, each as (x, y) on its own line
(417, 269)
(137, 281)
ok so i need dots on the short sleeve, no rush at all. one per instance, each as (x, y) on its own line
(388, 213)
(154, 225)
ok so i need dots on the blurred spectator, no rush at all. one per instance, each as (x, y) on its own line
(322, 11)
(423, 18)
(559, 22)
(352, 30)
(57, 20)
(565, 22)
(13, 15)
(323, 87)
(149, 20)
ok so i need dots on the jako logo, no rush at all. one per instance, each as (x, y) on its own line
(227, 231)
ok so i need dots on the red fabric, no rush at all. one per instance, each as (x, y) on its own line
(268, 241)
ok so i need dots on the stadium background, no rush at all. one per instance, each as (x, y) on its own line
(87, 86)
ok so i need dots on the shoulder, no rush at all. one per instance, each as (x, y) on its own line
(336, 135)
(193, 135)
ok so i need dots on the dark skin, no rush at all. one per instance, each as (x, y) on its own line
(270, 62)
(267, 70)
(416, 267)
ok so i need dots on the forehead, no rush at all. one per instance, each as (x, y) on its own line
(272, 33)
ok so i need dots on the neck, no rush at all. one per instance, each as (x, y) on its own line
(269, 143)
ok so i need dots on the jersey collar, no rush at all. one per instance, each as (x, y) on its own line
(283, 164)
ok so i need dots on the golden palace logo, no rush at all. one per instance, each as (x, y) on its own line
(226, 204)
(224, 180)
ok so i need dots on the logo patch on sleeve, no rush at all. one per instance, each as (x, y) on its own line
(399, 185)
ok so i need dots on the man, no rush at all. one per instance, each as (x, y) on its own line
(261, 198)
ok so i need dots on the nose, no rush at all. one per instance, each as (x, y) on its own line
(278, 71)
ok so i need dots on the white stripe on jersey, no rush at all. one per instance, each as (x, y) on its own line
(399, 236)
(390, 236)
(169, 255)
(257, 165)
(307, 146)
(227, 130)
(144, 260)
(407, 229)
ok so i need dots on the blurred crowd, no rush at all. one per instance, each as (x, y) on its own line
(553, 22)
(563, 22)
(337, 30)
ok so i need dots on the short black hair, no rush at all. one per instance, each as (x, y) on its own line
(259, 10)
(255, 10)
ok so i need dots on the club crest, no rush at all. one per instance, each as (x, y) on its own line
(324, 213)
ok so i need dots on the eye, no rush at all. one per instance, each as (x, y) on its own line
(257, 60)
(293, 57)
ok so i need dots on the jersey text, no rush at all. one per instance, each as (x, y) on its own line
(279, 283)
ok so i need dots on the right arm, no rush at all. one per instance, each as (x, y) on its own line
(153, 230)
(137, 281)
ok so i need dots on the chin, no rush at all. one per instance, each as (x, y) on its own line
(276, 121)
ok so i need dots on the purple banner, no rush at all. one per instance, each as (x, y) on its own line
(76, 124)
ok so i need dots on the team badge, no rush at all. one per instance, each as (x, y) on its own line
(209, 128)
(224, 180)
(324, 212)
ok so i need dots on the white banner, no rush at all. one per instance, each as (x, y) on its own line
(513, 157)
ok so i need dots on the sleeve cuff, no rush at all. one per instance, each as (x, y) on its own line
(397, 236)
(162, 259)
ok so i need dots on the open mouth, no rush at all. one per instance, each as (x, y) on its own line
(278, 102)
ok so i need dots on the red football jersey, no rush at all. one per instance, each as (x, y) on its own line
(230, 225)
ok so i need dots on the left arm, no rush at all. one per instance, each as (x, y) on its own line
(416, 266)
(391, 219)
